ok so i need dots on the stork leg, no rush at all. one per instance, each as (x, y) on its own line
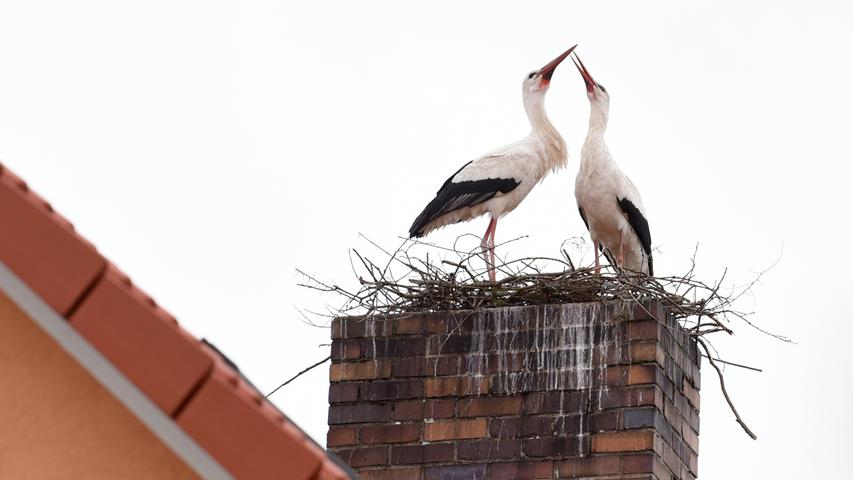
(597, 259)
(620, 259)
(493, 271)
(488, 247)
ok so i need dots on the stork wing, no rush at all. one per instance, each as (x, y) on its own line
(476, 182)
(639, 224)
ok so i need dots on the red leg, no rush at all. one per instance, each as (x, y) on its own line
(597, 260)
(493, 272)
(487, 246)
(620, 259)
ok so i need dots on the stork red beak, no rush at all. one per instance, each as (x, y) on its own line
(587, 78)
(548, 70)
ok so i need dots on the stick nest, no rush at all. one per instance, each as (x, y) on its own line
(421, 277)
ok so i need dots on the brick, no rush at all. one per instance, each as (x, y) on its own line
(506, 427)
(42, 248)
(632, 441)
(632, 397)
(490, 406)
(644, 330)
(690, 437)
(142, 340)
(521, 470)
(343, 392)
(435, 324)
(359, 327)
(532, 425)
(545, 425)
(364, 456)
(640, 418)
(456, 472)
(339, 436)
(346, 350)
(693, 463)
(645, 463)
(358, 413)
(652, 310)
(453, 343)
(604, 421)
(422, 454)
(396, 347)
(457, 386)
(366, 370)
(642, 374)
(638, 463)
(409, 324)
(681, 403)
(672, 415)
(392, 390)
(401, 473)
(571, 424)
(552, 446)
(506, 362)
(488, 449)
(425, 367)
(423, 409)
(691, 393)
(670, 459)
(402, 433)
(647, 352)
(615, 376)
(588, 466)
(555, 402)
(455, 429)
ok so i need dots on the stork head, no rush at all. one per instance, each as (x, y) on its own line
(594, 90)
(539, 80)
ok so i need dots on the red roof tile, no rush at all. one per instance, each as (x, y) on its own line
(42, 248)
(142, 340)
(209, 399)
(250, 442)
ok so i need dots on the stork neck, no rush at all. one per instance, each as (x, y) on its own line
(534, 105)
(598, 116)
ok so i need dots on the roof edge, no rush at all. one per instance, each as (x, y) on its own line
(162, 426)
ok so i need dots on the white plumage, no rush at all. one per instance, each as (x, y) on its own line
(608, 201)
(497, 182)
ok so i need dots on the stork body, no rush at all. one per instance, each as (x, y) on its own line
(498, 181)
(608, 201)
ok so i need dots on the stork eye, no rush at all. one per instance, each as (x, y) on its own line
(602, 88)
(532, 74)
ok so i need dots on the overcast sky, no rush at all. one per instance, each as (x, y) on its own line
(210, 148)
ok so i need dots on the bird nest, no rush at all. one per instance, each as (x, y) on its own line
(422, 277)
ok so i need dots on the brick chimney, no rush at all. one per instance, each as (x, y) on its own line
(585, 390)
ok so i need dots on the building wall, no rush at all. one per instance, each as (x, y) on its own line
(560, 391)
(56, 421)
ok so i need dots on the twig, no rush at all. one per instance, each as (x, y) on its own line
(734, 364)
(299, 374)
(723, 388)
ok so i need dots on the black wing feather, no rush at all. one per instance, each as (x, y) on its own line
(583, 217)
(455, 195)
(641, 227)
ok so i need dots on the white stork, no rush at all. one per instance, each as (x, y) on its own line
(498, 181)
(608, 202)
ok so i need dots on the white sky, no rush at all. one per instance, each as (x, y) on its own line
(209, 148)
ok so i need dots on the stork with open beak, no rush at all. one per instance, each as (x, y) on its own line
(498, 181)
(608, 201)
